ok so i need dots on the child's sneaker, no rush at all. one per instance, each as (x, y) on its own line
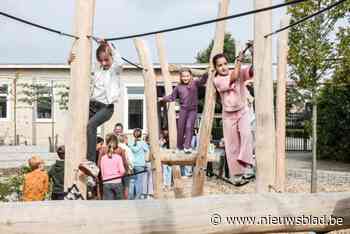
(89, 168)
(188, 151)
(249, 173)
(90, 182)
(239, 180)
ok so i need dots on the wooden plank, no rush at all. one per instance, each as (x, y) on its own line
(188, 215)
(170, 157)
(176, 173)
(209, 107)
(152, 113)
(263, 85)
(282, 74)
(79, 94)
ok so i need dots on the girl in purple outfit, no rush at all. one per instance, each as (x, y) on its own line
(187, 92)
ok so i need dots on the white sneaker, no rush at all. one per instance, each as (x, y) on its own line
(188, 151)
(90, 181)
(249, 173)
(89, 168)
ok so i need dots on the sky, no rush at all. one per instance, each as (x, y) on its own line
(23, 44)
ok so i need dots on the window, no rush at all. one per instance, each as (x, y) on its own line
(44, 101)
(135, 108)
(4, 101)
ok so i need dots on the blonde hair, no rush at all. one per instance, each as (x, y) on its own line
(35, 162)
(121, 138)
(112, 144)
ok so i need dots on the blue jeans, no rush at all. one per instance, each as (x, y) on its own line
(167, 175)
(99, 113)
(112, 191)
(186, 170)
(136, 184)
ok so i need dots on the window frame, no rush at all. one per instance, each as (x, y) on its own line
(44, 120)
(8, 101)
(126, 108)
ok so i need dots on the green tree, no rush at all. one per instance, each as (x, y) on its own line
(334, 105)
(311, 54)
(229, 50)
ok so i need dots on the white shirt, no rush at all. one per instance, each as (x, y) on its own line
(106, 85)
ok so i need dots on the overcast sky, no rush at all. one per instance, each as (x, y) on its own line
(21, 43)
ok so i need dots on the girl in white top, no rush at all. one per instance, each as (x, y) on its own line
(106, 85)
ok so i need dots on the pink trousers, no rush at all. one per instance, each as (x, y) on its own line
(238, 140)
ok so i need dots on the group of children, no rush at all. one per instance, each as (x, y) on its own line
(124, 171)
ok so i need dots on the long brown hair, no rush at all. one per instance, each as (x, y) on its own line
(184, 69)
(112, 144)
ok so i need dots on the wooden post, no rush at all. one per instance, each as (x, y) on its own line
(152, 113)
(79, 94)
(263, 85)
(314, 145)
(209, 107)
(281, 107)
(176, 172)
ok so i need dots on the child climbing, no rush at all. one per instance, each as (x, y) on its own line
(105, 93)
(187, 92)
(235, 115)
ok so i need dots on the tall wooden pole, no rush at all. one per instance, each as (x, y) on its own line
(314, 146)
(152, 113)
(79, 94)
(209, 108)
(281, 107)
(171, 113)
(265, 129)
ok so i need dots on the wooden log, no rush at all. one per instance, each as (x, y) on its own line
(170, 157)
(209, 107)
(282, 74)
(263, 85)
(179, 187)
(79, 94)
(152, 113)
(207, 214)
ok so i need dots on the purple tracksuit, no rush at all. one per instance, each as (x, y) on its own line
(188, 95)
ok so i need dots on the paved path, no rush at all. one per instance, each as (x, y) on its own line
(15, 156)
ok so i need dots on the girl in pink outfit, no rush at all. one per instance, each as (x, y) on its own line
(112, 167)
(235, 115)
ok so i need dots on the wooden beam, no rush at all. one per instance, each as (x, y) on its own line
(263, 85)
(176, 173)
(209, 214)
(79, 94)
(209, 107)
(152, 113)
(170, 157)
(282, 74)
